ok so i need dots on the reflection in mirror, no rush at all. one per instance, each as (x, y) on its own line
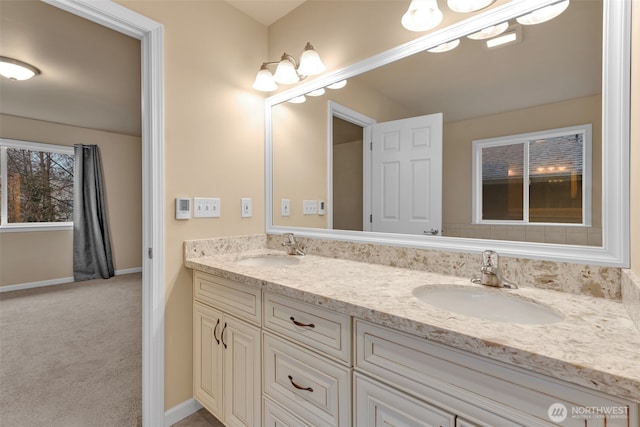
(550, 78)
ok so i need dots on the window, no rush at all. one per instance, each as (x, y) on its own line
(535, 178)
(36, 185)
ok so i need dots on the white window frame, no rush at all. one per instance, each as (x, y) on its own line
(524, 139)
(35, 146)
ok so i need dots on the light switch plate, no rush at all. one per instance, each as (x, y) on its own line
(206, 207)
(246, 210)
(309, 207)
(284, 207)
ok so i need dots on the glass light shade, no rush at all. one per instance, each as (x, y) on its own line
(16, 70)
(492, 31)
(264, 80)
(317, 92)
(466, 6)
(445, 47)
(286, 72)
(310, 62)
(544, 14)
(422, 15)
(298, 99)
(338, 85)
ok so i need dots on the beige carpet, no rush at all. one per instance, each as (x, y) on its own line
(70, 355)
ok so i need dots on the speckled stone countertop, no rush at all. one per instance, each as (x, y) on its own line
(596, 346)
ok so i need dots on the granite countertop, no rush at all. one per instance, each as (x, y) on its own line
(596, 345)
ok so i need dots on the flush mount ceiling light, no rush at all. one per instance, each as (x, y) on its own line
(289, 70)
(422, 15)
(445, 47)
(492, 31)
(543, 14)
(17, 70)
(466, 6)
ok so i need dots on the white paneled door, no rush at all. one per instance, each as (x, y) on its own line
(406, 176)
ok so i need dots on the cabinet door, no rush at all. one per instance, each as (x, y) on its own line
(207, 358)
(378, 405)
(242, 392)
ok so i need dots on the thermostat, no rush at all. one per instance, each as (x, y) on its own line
(183, 208)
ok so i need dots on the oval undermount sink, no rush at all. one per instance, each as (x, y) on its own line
(269, 260)
(487, 303)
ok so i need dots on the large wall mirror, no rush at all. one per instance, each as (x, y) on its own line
(521, 148)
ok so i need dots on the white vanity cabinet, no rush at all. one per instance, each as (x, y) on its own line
(306, 364)
(476, 390)
(226, 349)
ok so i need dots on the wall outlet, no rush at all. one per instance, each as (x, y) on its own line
(284, 207)
(309, 207)
(320, 207)
(246, 210)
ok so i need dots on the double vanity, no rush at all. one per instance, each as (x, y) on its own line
(314, 340)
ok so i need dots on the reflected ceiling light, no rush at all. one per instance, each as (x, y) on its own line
(337, 85)
(422, 15)
(298, 99)
(492, 31)
(505, 39)
(543, 14)
(289, 70)
(465, 6)
(14, 69)
(317, 92)
(445, 47)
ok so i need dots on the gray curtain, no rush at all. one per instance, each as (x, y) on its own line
(91, 241)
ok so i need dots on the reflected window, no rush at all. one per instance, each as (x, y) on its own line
(535, 178)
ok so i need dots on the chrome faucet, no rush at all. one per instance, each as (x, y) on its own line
(490, 273)
(293, 247)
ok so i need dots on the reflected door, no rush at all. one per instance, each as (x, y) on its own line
(406, 176)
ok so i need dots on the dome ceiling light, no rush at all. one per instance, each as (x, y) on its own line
(14, 69)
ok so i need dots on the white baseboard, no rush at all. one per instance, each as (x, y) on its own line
(60, 281)
(181, 411)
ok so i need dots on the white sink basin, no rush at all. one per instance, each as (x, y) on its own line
(269, 260)
(487, 303)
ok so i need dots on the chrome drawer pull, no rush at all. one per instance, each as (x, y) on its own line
(214, 332)
(302, 325)
(299, 387)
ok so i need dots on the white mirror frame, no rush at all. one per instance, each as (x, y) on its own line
(615, 136)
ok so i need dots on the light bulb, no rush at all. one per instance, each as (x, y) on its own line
(310, 62)
(543, 14)
(466, 6)
(422, 15)
(286, 71)
(445, 47)
(264, 80)
(492, 31)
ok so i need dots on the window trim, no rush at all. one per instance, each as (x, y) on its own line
(35, 146)
(525, 138)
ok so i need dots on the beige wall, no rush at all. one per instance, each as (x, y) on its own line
(213, 146)
(121, 159)
(635, 139)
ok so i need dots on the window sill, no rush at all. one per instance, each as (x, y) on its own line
(17, 228)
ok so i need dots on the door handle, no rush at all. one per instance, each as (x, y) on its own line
(433, 232)
(222, 335)
(299, 387)
(302, 325)
(214, 332)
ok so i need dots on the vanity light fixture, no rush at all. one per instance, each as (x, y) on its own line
(14, 69)
(317, 92)
(445, 47)
(298, 99)
(422, 15)
(543, 14)
(466, 6)
(289, 70)
(489, 32)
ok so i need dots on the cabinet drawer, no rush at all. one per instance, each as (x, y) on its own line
(377, 404)
(276, 416)
(323, 330)
(235, 298)
(471, 386)
(312, 387)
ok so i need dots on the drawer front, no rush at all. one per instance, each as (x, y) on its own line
(470, 386)
(323, 330)
(276, 416)
(379, 405)
(312, 387)
(235, 298)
